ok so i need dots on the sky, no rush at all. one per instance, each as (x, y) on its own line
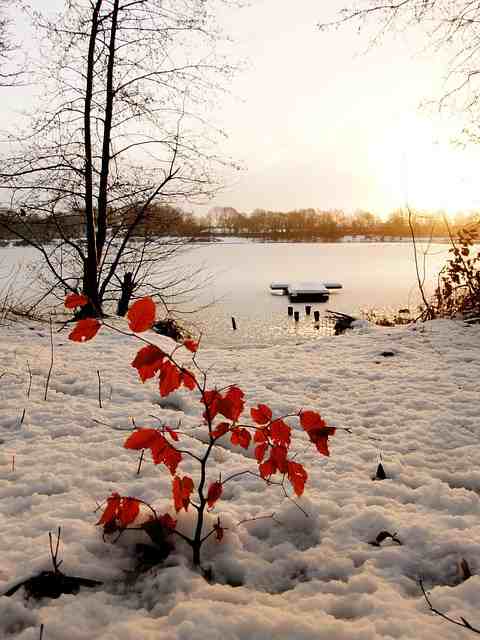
(326, 123)
(320, 120)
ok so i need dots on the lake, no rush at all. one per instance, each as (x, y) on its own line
(374, 275)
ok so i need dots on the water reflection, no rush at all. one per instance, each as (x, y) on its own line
(374, 275)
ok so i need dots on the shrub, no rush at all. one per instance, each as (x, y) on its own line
(222, 412)
(458, 290)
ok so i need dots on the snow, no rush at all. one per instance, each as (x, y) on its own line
(290, 577)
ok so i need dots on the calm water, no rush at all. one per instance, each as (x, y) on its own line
(374, 275)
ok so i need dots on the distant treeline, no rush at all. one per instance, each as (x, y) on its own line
(313, 224)
(298, 225)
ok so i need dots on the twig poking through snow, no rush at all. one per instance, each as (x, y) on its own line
(51, 360)
(29, 388)
(464, 623)
(53, 553)
(140, 462)
(99, 389)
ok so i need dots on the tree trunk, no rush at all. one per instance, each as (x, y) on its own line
(90, 284)
(90, 289)
(107, 132)
(127, 291)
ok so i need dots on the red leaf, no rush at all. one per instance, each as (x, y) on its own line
(317, 430)
(113, 502)
(141, 439)
(261, 435)
(215, 490)
(241, 437)
(260, 451)
(320, 438)
(261, 415)
(220, 430)
(280, 432)
(128, 511)
(85, 330)
(148, 361)
(141, 315)
(123, 510)
(297, 476)
(266, 469)
(191, 345)
(210, 400)
(74, 300)
(279, 458)
(168, 522)
(171, 458)
(188, 379)
(170, 378)
(182, 488)
(311, 420)
(231, 405)
(158, 447)
(161, 450)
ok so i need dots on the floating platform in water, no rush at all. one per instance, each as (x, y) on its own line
(306, 291)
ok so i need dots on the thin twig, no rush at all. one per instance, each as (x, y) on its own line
(30, 380)
(464, 623)
(99, 389)
(419, 279)
(271, 516)
(53, 553)
(140, 462)
(51, 360)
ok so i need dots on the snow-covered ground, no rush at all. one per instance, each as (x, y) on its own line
(290, 577)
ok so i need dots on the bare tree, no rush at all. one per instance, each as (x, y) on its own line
(448, 25)
(11, 72)
(126, 129)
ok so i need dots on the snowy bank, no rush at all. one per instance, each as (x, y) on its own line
(289, 577)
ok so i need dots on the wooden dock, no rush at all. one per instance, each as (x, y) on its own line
(306, 291)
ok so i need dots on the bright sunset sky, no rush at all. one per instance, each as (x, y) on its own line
(318, 122)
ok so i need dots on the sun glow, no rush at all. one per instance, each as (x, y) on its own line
(418, 165)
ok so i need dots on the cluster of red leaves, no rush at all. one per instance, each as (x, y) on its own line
(119, 513)
(141, 317)
(151, 360)
(122, 511)
(230, 405)
(273, 437)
